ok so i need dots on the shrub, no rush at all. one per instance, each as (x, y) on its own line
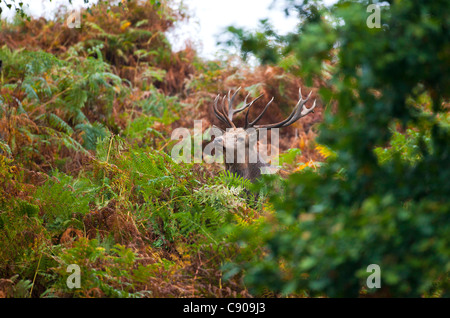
(368, 205)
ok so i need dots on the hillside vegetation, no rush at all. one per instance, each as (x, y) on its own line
(86, 117)
(87, 178)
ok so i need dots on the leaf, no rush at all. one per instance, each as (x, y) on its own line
(59, 124)
(125, 25)
(5, 147)
(141, 23)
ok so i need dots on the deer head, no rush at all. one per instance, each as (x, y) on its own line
(235, 138)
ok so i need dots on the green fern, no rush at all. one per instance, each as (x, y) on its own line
(92, 133)
(4, 147)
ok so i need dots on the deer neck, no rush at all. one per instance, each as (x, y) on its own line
(247, 170)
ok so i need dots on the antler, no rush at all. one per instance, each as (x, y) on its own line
(298, 112)
(226, 115)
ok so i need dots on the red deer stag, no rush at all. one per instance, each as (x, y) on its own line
(239, 143)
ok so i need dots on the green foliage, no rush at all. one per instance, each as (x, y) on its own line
(383, 199)
(289, 156)
(18, 288)
(169, 205)
(109, 273)
(158, 104)
(23, 239)
(92, 133)
(86, 179)
(62, 199)
(62, 93)
(298, 52)
(265, 44)
(405, 146)
(176, 199)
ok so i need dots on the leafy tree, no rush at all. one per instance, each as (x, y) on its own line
(369, 204)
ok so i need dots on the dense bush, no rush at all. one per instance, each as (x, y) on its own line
(383, 199)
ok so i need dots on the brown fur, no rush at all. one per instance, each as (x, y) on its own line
(247, 169)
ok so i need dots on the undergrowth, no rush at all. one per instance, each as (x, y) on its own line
(85, 172)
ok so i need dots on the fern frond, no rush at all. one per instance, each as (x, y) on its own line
(4, 147)
(30, 92)
(58, 123)
(65, 139)
(92, 133)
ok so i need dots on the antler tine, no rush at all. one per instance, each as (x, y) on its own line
(300, 92)
(246, 105)
(247, 124)
(217, 112)
(224, 112)
(231, 111)
(298, 112)
(306, 111)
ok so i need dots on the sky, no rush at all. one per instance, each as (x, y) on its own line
(211, 17)
(208, 20)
